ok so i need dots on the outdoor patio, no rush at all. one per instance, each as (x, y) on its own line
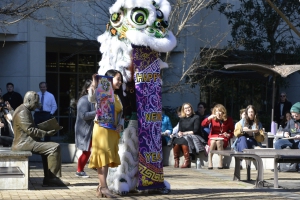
(185, 184)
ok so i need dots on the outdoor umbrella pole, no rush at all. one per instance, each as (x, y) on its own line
(273, 98)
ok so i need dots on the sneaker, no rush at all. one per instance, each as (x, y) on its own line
(82, 174)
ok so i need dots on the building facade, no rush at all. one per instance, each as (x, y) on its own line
(55, 52)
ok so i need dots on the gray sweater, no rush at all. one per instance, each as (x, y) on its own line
(84, 123)
(290, 127)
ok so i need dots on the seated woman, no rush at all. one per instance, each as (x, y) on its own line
(188, 138)
(286, 120)
(242, 116)
(221, 128)
(166, 128)
(175, 129)
(6, 130)
(249, 130)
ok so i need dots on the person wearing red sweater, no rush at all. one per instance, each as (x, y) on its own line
(221, 131)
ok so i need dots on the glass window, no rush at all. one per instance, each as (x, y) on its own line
(86, 63)
(52, 82)
(65, 76)
(67, 93)
(67, 62)
(51, 62)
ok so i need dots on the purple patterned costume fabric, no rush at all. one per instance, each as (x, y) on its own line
(149, 115)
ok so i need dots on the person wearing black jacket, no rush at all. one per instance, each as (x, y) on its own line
(6, 131)
(14, 98)
(281, 108)
(188, 133)
(7, 135)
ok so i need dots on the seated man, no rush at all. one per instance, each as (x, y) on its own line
(291, 130)
(27, 138)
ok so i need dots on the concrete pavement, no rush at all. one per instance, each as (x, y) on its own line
(185, 184)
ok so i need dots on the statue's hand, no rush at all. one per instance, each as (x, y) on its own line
(51, 133)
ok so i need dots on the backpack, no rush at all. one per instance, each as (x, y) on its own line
(288, 167)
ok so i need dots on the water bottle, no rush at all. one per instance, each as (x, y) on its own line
(198, 163)
(278, 133)
(279, 129)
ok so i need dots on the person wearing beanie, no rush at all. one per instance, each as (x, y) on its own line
(296, 108)
(292, 130)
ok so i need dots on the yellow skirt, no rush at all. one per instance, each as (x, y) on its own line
(104, 148)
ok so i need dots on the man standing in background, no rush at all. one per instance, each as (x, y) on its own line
(281, 108)
(48, 106)
(14, 98)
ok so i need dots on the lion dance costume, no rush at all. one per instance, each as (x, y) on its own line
(136, 33)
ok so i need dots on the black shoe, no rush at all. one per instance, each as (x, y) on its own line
(277, 168)
(54, 182)
(272, 170)
(210, 168)
(220, 167)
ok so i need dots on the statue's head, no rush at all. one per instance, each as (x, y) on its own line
(31, 100)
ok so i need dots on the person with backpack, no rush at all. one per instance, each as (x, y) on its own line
(292, 130)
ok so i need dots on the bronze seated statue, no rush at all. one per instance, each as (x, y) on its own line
(28, 138)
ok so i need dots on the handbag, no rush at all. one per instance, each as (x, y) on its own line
(259, 137)
(288, 167)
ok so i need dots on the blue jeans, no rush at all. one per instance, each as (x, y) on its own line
(293, 144)
(281, 144)
(245, 143)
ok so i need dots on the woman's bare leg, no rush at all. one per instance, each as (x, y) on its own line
(213, 146)
(102, 175)
(220, 148)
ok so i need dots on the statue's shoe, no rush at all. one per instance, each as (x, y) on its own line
(54, 182)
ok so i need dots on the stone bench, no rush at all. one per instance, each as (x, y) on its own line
(14, 169)
(278, 156)
(249, 157)
(168, 158)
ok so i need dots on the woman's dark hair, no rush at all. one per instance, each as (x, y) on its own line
(178, 109)
(247, 119)
(203, 104)
(86, 85)
(113, 72)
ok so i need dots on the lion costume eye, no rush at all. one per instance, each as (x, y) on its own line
(159, 14)
(116, 19)
(139, 16)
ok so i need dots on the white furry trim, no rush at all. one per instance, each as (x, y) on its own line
(123, 187)
(167, 184)
(164, 5)
(115, 55)
(162, 64)
(158, 44)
